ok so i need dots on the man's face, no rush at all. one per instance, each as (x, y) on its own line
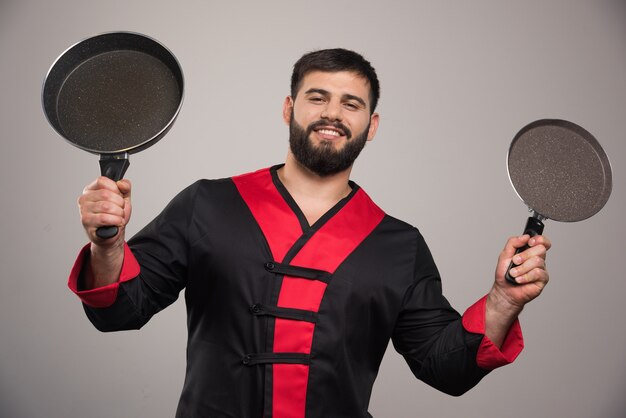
(329, 121)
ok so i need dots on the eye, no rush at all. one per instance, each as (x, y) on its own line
(316, 99)
(351, 106)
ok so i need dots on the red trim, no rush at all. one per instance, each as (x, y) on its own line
(490, 356)
(300, 293)
(104, 296)
(290, 381)
(325, 250)
(276, 219)
(297, 336)
(294, 336)
(330, 246)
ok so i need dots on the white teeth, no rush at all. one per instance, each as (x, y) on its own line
(328, 132)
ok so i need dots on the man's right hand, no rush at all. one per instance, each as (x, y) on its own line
(104, 202)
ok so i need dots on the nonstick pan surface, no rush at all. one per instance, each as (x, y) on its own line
(114, 92)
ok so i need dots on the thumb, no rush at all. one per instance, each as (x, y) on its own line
(125, 187)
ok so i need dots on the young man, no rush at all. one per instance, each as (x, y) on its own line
(295, 281)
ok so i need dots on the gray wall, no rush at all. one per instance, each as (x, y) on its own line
(459, 79)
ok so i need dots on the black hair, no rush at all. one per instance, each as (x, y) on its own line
(335, 60)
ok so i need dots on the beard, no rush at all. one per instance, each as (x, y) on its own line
(323, 159)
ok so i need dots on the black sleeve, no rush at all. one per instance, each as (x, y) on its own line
(430, 336)
(161, 249)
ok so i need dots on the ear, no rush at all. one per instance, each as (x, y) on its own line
(374, 119)
(287, 109)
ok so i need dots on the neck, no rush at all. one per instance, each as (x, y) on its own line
(302, 182)
(313, 194)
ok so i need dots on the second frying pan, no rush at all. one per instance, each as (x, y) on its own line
(560, 171)
(113, 94)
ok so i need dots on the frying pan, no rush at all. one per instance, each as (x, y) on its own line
(113, 94)
(560, 171)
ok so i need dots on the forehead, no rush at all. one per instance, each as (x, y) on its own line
(340, 82)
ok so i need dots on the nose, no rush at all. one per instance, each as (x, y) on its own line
(332, 111)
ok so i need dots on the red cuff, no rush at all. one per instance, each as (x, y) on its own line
(104, 296)
(489, 356)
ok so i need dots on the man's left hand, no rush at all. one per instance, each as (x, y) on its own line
(505, 300)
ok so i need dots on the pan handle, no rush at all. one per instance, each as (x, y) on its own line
(112, 166)
(534, 226)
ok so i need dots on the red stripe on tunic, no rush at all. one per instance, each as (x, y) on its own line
(325, 250)
(332, 244)
(276, 219)
(294, 336)
(301, 293)
(290, 381)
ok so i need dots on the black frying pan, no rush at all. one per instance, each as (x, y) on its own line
(560, 171)
(113, 94)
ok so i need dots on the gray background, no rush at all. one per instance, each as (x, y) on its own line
(459, 79)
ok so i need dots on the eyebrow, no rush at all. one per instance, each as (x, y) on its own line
(344, 97)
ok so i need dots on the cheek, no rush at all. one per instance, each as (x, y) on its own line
(305, 117)
(359, 125)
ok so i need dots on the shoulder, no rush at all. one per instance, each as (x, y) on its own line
(401, 232)
(206, 193)
(203, 188)
(398, 237)
(391, 225)
(219, 191)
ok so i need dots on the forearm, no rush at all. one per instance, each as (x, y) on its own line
(104, 266)
(500, 314)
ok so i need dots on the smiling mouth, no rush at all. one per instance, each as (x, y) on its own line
(329, 132)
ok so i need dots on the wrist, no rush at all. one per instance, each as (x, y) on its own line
(500, 314)
(501, 308)
(105, 264)
(109, 251)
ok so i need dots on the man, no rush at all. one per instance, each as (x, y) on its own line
(295, 281)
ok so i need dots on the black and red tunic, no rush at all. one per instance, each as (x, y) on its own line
(287, 319)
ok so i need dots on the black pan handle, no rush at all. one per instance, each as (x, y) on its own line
(534, 226)
(112, 166)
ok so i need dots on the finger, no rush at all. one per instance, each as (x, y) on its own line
(104, 207)
(101, 201)
(95, 220)
(102, 182)
(91, 221)
(507, 253)
(512, 244)
(540, 240)
(529, 253)
(538, 276)
(538, 247)
(101, 213)
(528, 265)
(101, 189)
(124, 186)
(104, 194)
